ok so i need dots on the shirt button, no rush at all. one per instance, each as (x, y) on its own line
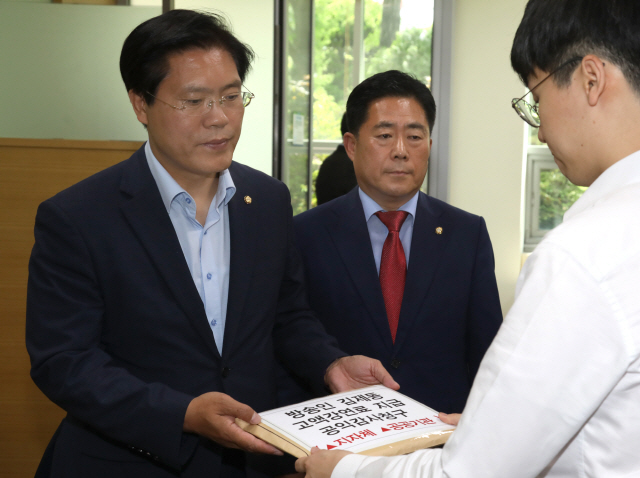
(209, 276)
(205, 233)
(188, 200)
(214, 322)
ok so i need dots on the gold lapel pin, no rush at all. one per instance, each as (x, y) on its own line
(438, 230)
(247, 199)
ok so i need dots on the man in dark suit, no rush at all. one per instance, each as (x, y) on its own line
(164, 286)
(336, 176)
(431, 323)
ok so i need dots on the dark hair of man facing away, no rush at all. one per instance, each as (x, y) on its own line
(555, 31)
(344, 126)
(144, 61)
(389, 84)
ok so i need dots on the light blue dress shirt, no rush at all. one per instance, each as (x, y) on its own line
(378, 231)
(206, 248)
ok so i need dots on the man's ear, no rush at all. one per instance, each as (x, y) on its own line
(349, 141)
(594, 78)
(139, 106)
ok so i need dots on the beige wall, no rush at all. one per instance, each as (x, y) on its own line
(486, 165)
(60, 75)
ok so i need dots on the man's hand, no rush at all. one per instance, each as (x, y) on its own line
(357, 371)
(212, 415)
(450, 418)
(320, 463)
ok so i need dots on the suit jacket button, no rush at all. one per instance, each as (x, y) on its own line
(225, 372)
(395, 363)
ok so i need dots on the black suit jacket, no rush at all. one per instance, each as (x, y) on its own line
(118, 335)
(450, 309)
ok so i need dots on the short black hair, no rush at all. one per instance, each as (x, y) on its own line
(388, 84)
(144, 60)
(554, 31)
(344, 126)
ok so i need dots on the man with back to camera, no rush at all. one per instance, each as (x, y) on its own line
(164, 286)
(558, 391)
(431, 325)
(335, 176)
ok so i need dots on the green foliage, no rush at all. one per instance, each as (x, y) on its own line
(298, 181)
(333, 58)
(327, 114)
(410, 52)
(557, 195)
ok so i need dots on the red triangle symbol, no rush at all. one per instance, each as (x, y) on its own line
(331, 447)
(385, 430)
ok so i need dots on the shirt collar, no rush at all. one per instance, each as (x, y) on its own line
(624, 172)
(371, 207)
(169, 188)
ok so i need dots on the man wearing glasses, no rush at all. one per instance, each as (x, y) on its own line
(558, 391)
(164, 286)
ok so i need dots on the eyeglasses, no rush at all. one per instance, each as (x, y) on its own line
(201, 106)
(528, 112)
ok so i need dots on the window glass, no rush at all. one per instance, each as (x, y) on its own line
(557, 195)
(549, 193)
(398, 37)
(296, 99)
(354, 40)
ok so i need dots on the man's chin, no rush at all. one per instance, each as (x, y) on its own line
(221, 161)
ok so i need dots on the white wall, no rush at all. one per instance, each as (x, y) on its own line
(252, 21)
(486, 167)
(60, 76)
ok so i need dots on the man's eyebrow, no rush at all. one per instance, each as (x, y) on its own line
(389, 124)
(419, 126)
(384, 124)
(204, 89)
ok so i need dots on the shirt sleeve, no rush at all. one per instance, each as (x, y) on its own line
(555, 359)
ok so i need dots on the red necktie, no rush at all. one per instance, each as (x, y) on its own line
(393, 267)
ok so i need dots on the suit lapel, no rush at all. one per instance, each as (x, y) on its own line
(351, 238)
(148, 217)
(242, 232)
(424, 260)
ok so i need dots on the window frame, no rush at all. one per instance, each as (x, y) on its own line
(539, 158)
(437, 180)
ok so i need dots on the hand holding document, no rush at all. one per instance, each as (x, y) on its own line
(373, 421)
(357, 371)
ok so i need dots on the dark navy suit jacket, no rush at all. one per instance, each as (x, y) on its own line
(118, 335)
(450, 309)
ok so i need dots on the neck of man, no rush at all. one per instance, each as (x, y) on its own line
(202, 190)
(615, 134)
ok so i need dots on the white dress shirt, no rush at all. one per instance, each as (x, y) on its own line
(558, 392)
(206, 248)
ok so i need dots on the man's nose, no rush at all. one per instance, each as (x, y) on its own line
(400, 148)
(215, 116)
